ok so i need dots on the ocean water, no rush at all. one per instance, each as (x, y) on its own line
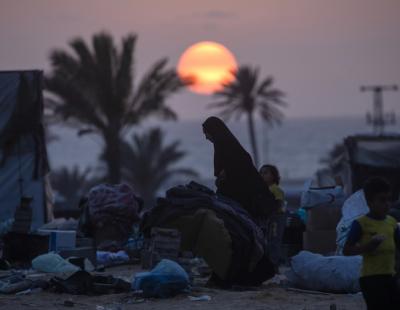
(296, 146)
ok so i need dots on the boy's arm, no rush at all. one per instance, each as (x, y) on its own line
(352, 247)
(397, 237)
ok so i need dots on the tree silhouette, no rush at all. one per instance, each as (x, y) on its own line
(246, 95)
(71, 184)
(92, 89)
(148, 163)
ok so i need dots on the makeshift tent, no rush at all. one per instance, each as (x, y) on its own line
(23, 156)
(366, 156)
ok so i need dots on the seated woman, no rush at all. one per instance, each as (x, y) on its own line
(237, 178)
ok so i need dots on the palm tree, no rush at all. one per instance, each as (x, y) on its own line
(148, 163)
(92, 90)
(246, 95)
(71, 184)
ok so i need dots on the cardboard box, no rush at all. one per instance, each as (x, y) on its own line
(60, 239)
(320, 241)
(164, 243)
(323, 218)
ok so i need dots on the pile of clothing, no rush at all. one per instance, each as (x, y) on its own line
(217, 229)
(109, 213)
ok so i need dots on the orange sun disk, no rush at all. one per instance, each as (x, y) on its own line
(209, 65)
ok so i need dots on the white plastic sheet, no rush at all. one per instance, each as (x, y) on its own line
(354, 207)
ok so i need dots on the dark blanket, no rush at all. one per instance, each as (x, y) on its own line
(248, 245)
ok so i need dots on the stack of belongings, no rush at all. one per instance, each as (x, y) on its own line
(323, 207)
(164, 244)
(216, 229)
(109, 213)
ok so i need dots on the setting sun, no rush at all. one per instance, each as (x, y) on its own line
(209, 64)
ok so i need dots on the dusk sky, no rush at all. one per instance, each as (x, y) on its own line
(319, 51)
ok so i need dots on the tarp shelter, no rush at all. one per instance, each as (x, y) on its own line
(23, 156)
(366, 156)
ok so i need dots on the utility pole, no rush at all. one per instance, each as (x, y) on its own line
(378, 119)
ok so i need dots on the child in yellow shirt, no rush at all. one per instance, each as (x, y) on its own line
(275, 227)
(374, 236)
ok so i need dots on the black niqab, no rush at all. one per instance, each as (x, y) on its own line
(227, 149)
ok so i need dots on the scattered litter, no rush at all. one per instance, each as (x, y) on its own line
(167, 279)
(52, 263)
(278, 279)
(201, 289)
(118, 307)
(297, 290)
(30, 291)
(135, 300)
(109, 258)
(83, 283)
(14, 283)
(200, 298)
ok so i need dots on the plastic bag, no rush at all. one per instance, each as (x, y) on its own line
(338, 274)
(166, 280)
(354, 207)
(52, 263)
(313, 197)
(110, 258)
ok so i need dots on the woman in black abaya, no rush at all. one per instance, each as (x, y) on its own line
(237, 178)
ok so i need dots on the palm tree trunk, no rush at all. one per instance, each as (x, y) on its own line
(113, 156)
(253, 141)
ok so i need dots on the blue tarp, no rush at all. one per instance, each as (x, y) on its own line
(20, 154)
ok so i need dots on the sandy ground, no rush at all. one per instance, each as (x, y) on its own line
(269, 296)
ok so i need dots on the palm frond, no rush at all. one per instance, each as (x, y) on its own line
(79, 105)
(71, 184)
(123, 79)
(265, 85)
(157, 84)
(245, 95)
(148, 163)
(83, 52)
